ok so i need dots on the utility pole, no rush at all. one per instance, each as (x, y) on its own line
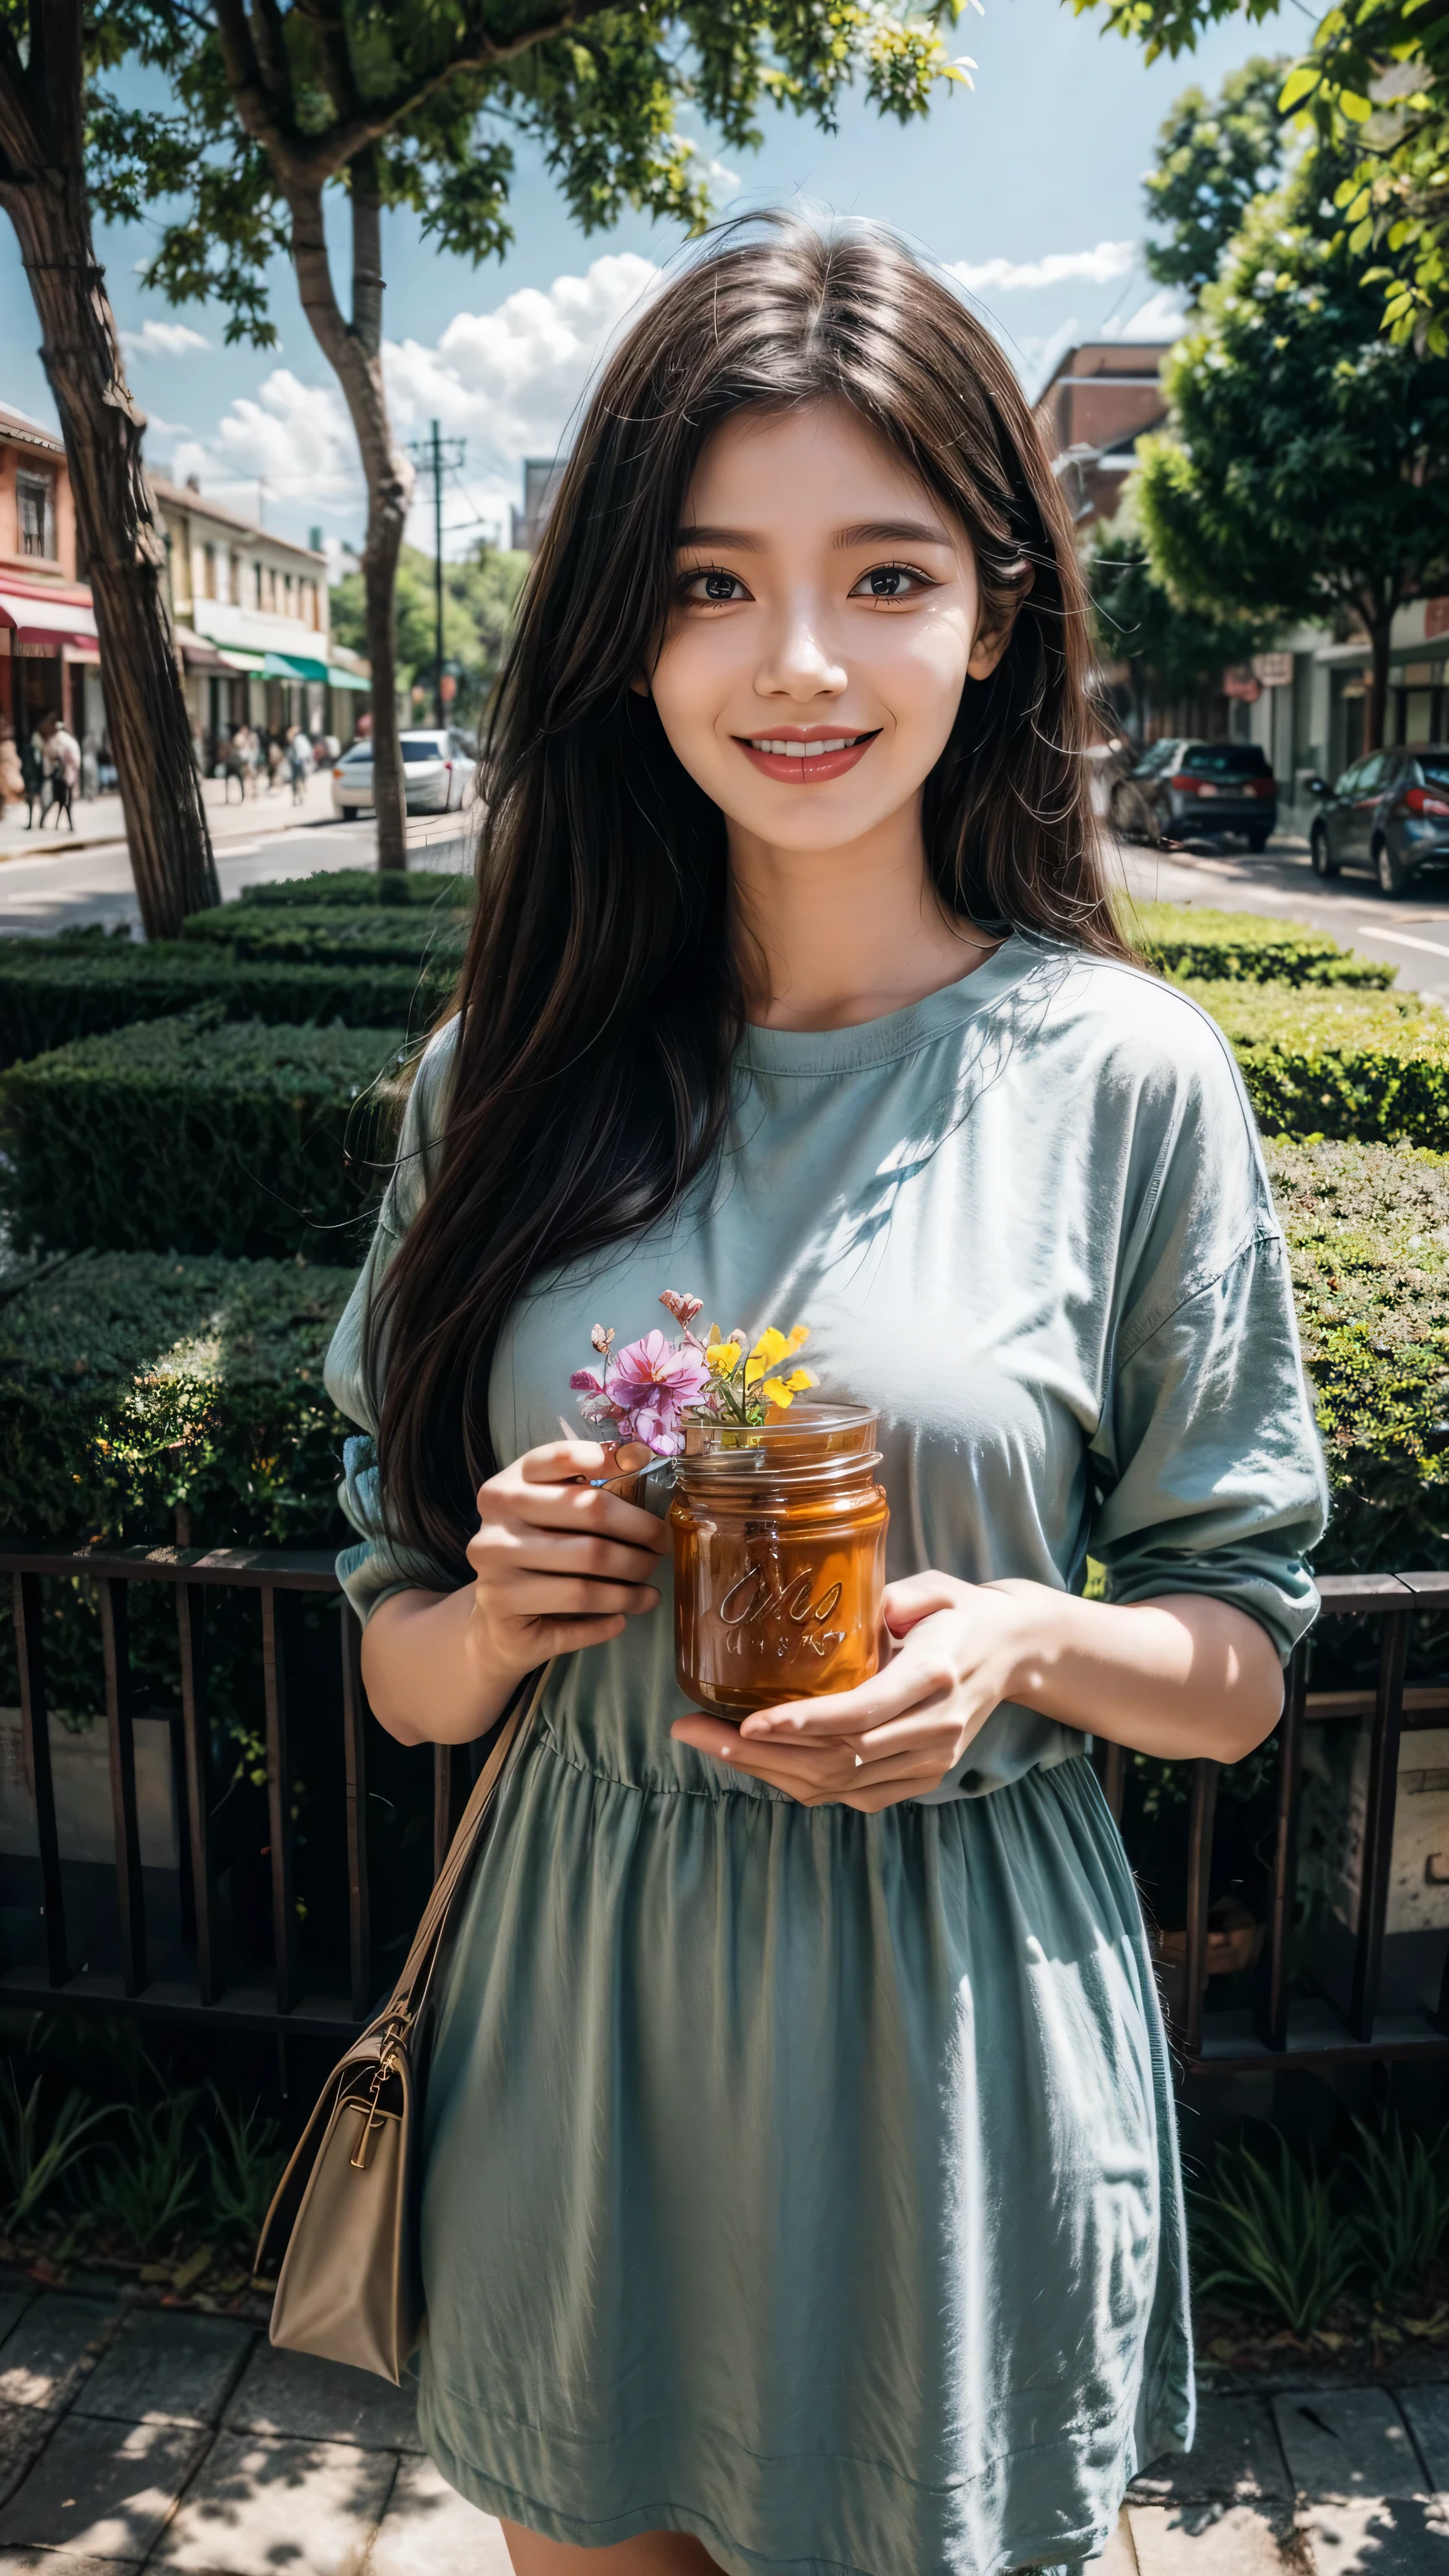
(437, 456)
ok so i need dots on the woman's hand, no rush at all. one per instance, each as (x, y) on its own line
(951, 1655)
(1184, 1674)
(559, 1562)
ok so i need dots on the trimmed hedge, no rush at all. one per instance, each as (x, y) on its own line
(199, 1135)
(134, 1383)
(1368, 1065)
(333, 934)
(359, 886)
(1368, 1241)
(1245, 947)
(52, 990)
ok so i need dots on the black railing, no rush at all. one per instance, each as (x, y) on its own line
(1300, 2009)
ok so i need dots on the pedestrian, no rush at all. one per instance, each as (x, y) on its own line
(34, 780)
(800, 2185)
(276, 760)
(299, 763)
(233, 765)
(60, 760)
(12, 779)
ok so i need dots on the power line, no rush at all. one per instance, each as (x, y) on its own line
(438, 456)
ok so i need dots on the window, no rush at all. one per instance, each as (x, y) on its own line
(35, 511)
(1431, 769)
(256, 585)
(423, 746)
(1348, 783)
(1371, 775)
(208, 572)
(234, 593)
(288, 590)
(1226, 760)
(1159, 757)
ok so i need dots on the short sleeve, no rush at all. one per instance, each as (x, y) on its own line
(1210, 1474)
(378, 1566)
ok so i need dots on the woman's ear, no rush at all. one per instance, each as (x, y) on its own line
(991, 641)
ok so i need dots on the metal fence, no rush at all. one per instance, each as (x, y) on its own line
(1304, 2009)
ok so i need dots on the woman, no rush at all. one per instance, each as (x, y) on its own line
(12, 777)
(801, 2179)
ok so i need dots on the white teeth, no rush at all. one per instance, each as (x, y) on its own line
(805, 750)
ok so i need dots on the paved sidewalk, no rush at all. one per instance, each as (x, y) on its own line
(99, 823)
(138, 2437)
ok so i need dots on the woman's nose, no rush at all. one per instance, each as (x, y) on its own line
(799, 661)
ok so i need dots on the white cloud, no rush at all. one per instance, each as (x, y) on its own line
(507, 382)
(1007, 276)
(1160, 318)
(163, 340)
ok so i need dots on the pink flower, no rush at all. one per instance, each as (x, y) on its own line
(650, 1383)
(683, 1309)
(596, 1405)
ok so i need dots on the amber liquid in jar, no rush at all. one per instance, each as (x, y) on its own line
(779, 1558)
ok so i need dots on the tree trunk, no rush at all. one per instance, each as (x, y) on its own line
(1379, 624)
(122, 549)
(355, 352)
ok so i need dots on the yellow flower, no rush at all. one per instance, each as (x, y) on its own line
(772, 1347)
(782, 1391)
(722, 1358)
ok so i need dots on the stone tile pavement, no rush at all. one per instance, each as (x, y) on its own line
(135, 2437)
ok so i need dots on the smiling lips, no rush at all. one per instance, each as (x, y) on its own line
(804, 758)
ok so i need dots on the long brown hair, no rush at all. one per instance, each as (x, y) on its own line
(599, 1008)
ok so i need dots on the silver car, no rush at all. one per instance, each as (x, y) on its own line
(440, 767)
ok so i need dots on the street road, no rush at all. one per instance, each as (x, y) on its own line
(58, 890)
(61, 892)
(1412, 936)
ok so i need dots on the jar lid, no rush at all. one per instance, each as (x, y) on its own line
(808, 1437)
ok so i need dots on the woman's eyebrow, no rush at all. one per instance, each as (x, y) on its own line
(890, 532)
(739, 540)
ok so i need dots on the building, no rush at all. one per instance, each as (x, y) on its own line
(1100, 398)
(541, 478)
(252, 621)
(49, 658)
(1307, 703)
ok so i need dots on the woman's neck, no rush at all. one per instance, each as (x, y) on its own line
(829, 938)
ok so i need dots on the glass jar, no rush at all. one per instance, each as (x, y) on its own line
(779, 1557)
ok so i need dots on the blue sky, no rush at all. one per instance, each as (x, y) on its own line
(1030, 185)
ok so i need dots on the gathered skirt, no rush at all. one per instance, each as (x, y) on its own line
(803, 2180)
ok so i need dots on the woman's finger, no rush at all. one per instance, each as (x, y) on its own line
(502, 1555)
(820, 1771)
(580, 1509)
(549, 1596)
(912, 1679)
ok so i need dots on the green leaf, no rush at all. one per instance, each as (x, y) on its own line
(1302, 81)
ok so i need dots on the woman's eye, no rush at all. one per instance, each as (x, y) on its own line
(714, 589)
(890, 581)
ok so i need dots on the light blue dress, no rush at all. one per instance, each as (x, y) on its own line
(805, 2180)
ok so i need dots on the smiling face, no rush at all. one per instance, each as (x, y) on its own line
(825, 622)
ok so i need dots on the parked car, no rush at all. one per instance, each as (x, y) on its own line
(440, 766)
(1388, 813)
(1181, 790)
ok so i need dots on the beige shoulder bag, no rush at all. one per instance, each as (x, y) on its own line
(346, 2208)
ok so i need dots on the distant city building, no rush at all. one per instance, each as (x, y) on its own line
(252, 622)
(1100, 398)
(541, 478)
(49, 658)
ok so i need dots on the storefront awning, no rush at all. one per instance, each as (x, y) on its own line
(200, 655)
(47, 621)
(293, 666)
(337, 678)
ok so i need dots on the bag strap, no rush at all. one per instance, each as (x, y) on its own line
(427, 1938)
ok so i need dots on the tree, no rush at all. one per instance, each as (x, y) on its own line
(1306, 473)
(44, 50)
(479, 594)
(1374, 91)
(1170, 652)
(1213, 158)
(411, 103)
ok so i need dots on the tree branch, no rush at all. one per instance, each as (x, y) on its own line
(367, 252)
(269, 45)
(337, 69)
(252, 99)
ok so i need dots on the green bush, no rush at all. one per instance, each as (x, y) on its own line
(134, 1385)
(52, 990)
(199, 1135)
(1367, 1228)
(333, 933)
(1366, 1065)
(1245, 947)
(354, 886)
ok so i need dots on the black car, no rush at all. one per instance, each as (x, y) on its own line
(1197, 790)
(1389, 813)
